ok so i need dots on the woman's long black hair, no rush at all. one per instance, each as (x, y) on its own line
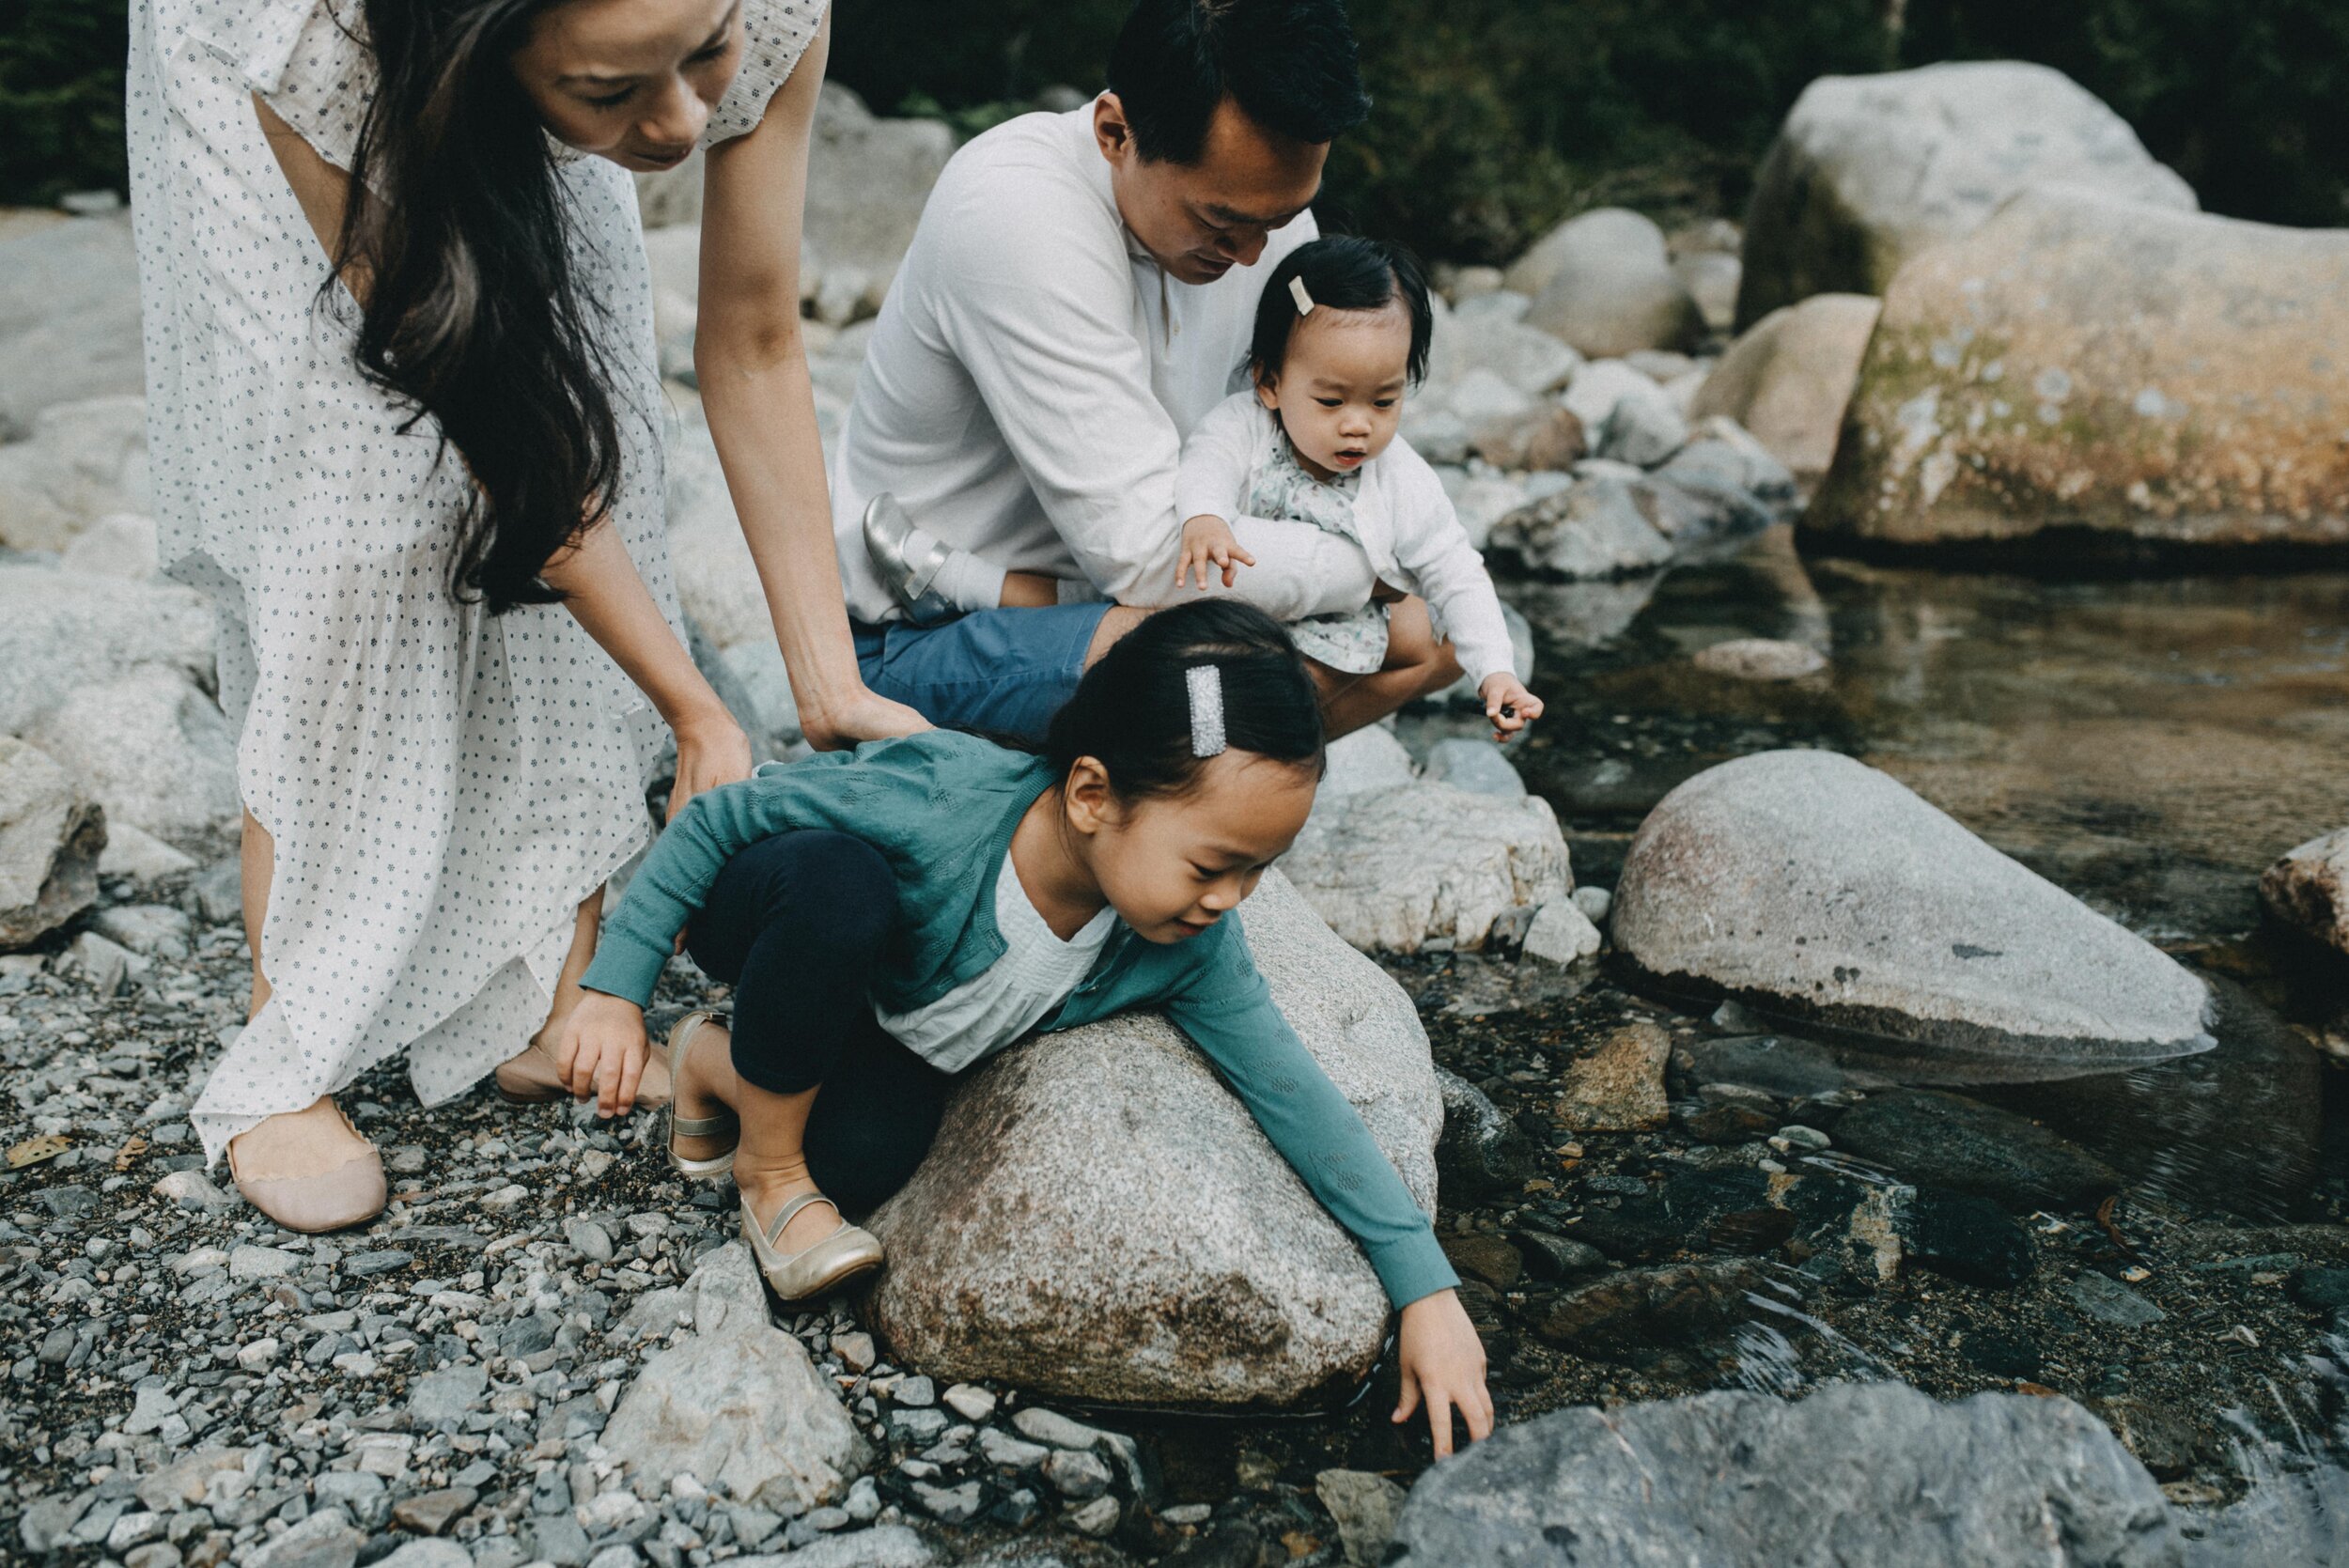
(457, 219)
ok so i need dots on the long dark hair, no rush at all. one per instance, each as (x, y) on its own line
(1131, 712)
(1341, 271)
(457, 216)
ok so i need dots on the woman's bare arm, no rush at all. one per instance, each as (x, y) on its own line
(752, 364)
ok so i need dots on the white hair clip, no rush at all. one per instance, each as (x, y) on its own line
(1207, 709)
(1297, 292)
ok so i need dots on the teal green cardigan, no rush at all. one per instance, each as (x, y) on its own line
(940, 807)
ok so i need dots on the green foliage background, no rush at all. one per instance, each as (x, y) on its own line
(1496, 117)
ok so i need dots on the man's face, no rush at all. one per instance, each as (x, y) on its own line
(1201, 220)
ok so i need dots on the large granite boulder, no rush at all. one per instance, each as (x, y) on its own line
(81, 461)
(51, 837)
(2085, 364)
(154, 748)
(1788, 379)
(68, 318)
(2309, 888)
(1814, 886)
(60, 632)
(1856, 1473)
(739, 1405)
(1397, 870)
(1596, 528)
(1603, 283)
(1101, 1219)
(867, 178)
(1869, 170)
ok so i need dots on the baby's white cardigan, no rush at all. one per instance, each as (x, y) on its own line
(1402, 519)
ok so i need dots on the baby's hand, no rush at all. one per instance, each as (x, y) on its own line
(1508, 705)
(601, 1051)
(1208, 543)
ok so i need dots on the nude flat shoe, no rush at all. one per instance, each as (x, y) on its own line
(352, 1194)
(816, 1270)
(721, 1165)
(906, 558)
(528, 1078)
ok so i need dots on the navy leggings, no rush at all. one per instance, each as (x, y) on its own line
(796, 924)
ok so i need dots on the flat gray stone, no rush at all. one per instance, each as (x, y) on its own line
(739, 1405)
(1814, 885)
(1839, 1478)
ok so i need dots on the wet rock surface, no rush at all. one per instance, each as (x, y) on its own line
(1751, 1477)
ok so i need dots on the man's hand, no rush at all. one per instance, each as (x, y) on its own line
(601, 1051)
(1508, 706)
(1208, 546)
(1442, 1362)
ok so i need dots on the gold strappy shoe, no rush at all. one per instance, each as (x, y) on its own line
(816, 1270)
(721, 1165)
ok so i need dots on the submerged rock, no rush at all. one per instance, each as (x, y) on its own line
(1101, 1219)
(2309, 888)
(1642, 1308)
(1481, 1151)
(1924, 1135)
(1838, 1478)
(2085, 372)
(1760, 659)
(51, 837)
(1869, 170)
(1618, 1087)
(1397, 869)
(740, 1405)
(1814, 885)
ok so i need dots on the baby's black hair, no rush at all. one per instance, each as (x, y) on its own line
(1341, 271)
(1131, 712)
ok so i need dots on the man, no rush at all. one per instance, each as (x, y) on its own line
(1079, 293)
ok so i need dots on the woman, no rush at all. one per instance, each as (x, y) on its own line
(423, 482)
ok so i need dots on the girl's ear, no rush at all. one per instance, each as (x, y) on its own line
(1086, 797)
(1268, 388)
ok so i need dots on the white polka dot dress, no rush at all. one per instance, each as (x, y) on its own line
(443, 786)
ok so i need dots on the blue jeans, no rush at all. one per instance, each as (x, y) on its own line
(1002, 671)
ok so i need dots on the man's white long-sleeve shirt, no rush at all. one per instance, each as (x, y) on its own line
(1031, 378)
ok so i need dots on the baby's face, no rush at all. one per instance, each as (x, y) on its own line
(1340, 391)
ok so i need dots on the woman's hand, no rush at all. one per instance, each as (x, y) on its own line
(859, 715)
(601, 1051)
(1208, 546)
(712, 750)
(1442, 1362)
(1508, 706)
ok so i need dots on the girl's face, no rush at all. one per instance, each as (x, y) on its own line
(1172, 865)
(1339, 391)
(633, 80)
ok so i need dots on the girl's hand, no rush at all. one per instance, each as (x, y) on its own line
(1442, 1362)
(710, 750)
(601, 1051)
(1208, 546)
(1508, 705)
(858, 716)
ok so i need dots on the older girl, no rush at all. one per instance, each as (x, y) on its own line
(892, 919)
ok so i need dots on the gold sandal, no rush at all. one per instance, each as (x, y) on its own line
(718, 1167)
(815, 1270)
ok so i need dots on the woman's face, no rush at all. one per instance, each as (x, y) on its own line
(630, 79)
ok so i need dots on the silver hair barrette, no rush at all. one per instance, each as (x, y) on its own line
(1297, 292)
(1207, 709)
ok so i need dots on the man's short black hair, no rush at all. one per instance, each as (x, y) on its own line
(1288, 64)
